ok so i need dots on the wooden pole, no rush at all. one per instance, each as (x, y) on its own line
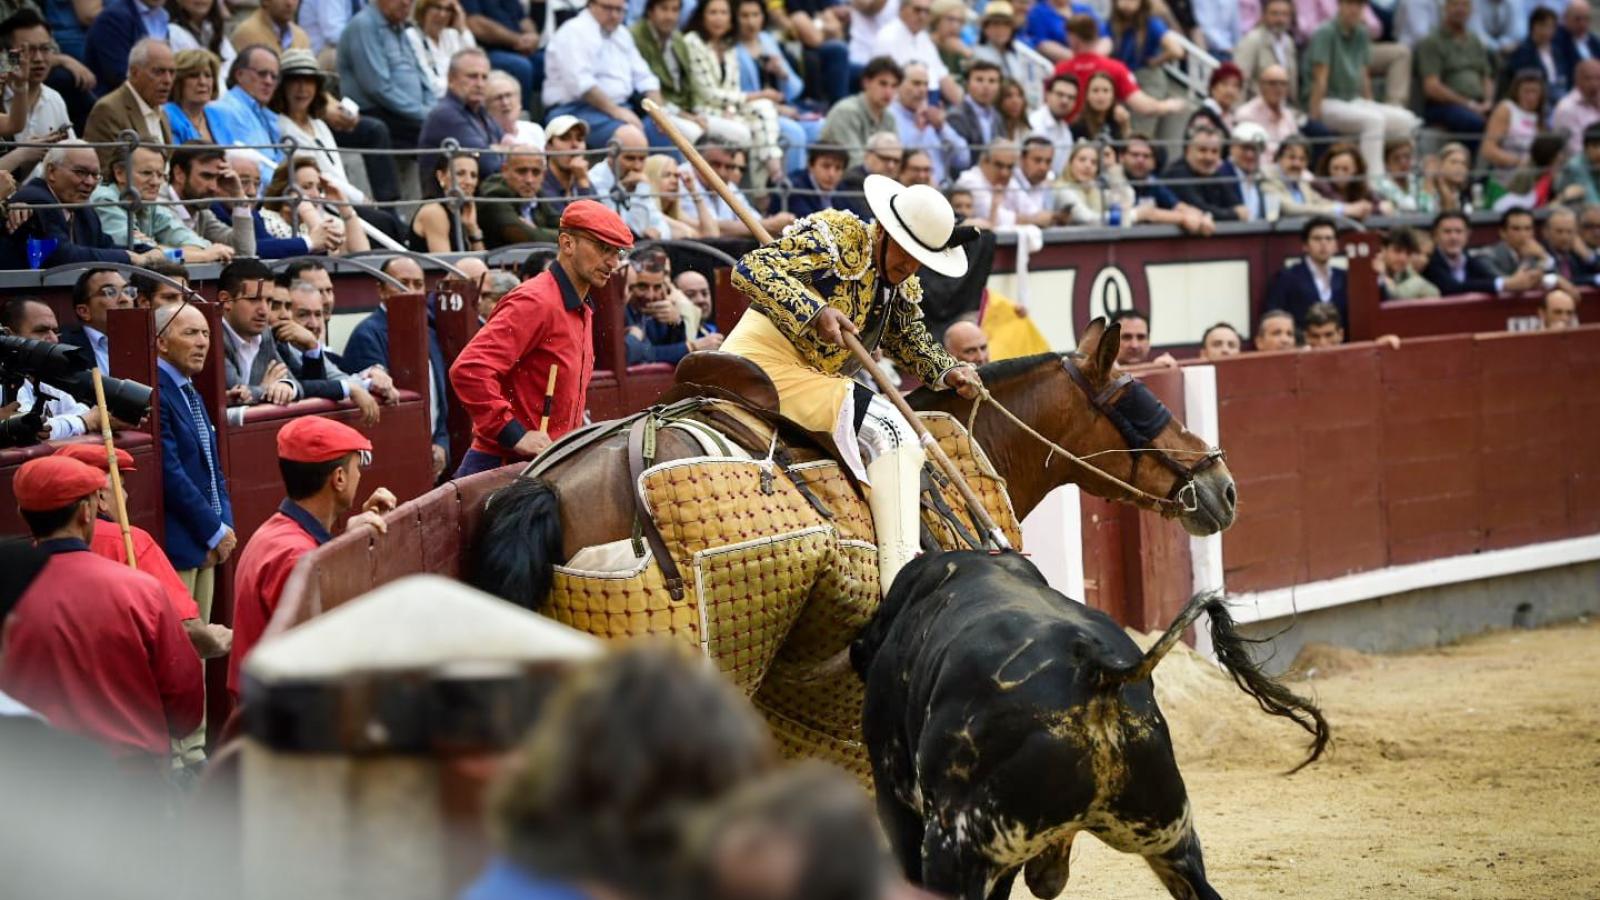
(975, 507)
(549, 399)
(116, 471)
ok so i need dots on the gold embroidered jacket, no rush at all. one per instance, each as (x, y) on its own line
(828, 257)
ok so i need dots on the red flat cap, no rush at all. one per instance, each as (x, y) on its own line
(54, 482)
(95, 455)
(313, 439)
(598, 220)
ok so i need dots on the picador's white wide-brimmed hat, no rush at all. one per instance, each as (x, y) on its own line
(920, 220)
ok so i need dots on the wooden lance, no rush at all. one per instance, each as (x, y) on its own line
(116, 472)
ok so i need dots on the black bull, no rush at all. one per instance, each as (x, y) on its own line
(1002, 718)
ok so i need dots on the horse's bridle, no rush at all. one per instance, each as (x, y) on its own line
(1140, 418)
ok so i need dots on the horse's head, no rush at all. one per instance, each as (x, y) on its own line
(1140, 441)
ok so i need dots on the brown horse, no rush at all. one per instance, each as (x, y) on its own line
(1079, 401)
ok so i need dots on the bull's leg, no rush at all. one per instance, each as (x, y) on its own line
(1046, 874)
(1183, 871)
(953, 868)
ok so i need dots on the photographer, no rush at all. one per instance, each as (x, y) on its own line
(64, 416)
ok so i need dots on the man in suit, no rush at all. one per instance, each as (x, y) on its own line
(1572, 266)
(975, 117)
(120, 25)
(1297, 288)
(255, 371)
(1573, 43)
(199, 514)
(71, 172)
(272, 25)
(96, 291)
(1518, 248)
(369, 346)
(1453, 271)
(811, 188)
(136, 104)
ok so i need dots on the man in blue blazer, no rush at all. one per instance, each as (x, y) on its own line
(811, 188)
(1455, 271)
(199, 515)
(369, 346)
(1574, 31)
(71, 172)
(120, 25)
(1297, 287)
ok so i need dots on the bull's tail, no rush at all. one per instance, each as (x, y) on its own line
(519, 542)
(1232, 650)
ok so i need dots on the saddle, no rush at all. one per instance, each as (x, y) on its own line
(717, 374)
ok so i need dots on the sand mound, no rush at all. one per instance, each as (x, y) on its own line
(1210, 717)
(1318, 660)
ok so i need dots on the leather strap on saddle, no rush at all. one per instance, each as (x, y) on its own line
(641, 455)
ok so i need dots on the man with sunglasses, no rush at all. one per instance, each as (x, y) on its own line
(71, 173)
(503, 375)
(240, 116)
(320, 461)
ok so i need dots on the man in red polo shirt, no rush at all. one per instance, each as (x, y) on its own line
(210, 641)
(502, 375)
(320, 461)
(91, 645)
(1083, 34)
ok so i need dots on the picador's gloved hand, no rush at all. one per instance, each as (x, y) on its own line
(965, 380)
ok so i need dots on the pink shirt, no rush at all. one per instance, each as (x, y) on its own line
(1574, 115)
(1279, 125)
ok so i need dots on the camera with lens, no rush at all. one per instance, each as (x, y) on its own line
(68, 369)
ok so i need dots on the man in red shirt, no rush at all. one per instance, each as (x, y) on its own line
(1083, 34)
(92, 646)
(320, 461)
(210, 641)
(502, 375)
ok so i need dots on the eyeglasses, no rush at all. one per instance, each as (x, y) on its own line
(36, 49)
(264, 74)
(888, 159)
(620, 253)
(111, 291)
(83, 174)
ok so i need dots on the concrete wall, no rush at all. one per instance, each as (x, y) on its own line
(1433, 616)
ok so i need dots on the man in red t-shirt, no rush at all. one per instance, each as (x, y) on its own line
(1083, 33)
(320, 461)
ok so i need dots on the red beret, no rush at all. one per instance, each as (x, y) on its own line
(1225, 71)
(598, 220)
(313, 439)
(95, 455)
(54, 482)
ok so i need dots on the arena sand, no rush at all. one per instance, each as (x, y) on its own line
(1467, 771)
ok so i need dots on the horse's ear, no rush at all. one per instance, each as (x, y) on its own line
(1092, 334)
(1105, 355)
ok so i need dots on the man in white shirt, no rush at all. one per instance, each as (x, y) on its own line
(1050, 120)
(33, 110)
(867, 19)
(615, 179)
(64, 415)
(1033, 182)
(728, 162)
(594, 71)
(995, 197)
(906, 39)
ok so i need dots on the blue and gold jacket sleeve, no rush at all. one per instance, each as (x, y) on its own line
(907, 341)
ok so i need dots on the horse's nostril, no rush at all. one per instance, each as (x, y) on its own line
(1231, 496)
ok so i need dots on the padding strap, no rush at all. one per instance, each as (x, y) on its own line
(641, 455)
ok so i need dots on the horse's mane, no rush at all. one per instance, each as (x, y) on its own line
(993, 373)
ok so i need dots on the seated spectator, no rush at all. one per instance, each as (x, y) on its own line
(697, 290)
(1340, 92)
(1457, 73)
(1271, 108)
(995, 197)
(520, 178)
(593, 71)
(1244, 166)
(566, 176)
(662, 186)
(1583, 170)
(293, 308)
(505, 107)
(616, 184)
(439, 30)
(948, 28)
(1034, 178)
(155, 293)
(1515, 122)
(1193, 178)
(152, 222)
(1048, 28)
(967, 342)
(272, 25)
(368, 347)
(855, 119)
(1217, 27)
(434, 229)
(34, 110)
(1083, 37)
(924, 127)
(1580, 108)
(1454, 271)
(729, 163)
(380, 72)
(998, 42)
(240, 116)
(200, 172)
(1270, 44)
(1501, 25)
(657, 37)
(1052, 120)
(916, 167)
(1342, 177)
(1575, 43)
(1086, 199)
(291, 207)
(189, 113)
(1558, 309)
(765, 74)
(1296, 288)
(961, 204)
(64, 415)
(201, 25)
(115, 31)
(819, 27)
(1224, 93)
(975, 118)
(811, 189)
(655, 326)
(1275, 331)
(1101, 118)
(1398, 185)
(907, 38)
(1538, 50)
(1572, 262)
(255, 372)
(1140, 38)
(1397, 274)
(497, 285)
(1324, 326)
(1534, 185)
(301, 102)
(1450, 185)
(1135, 347)
(1296, 187)
(1155, 203)
(95, 292)
(71, 172)
(460, 114)
(136, 103)
(1220, 341)
(1519, 247)
(1389, 59)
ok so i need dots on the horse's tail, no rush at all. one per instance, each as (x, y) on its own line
(519, 543)
(1232, 650)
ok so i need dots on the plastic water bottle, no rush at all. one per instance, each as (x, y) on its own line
(1114, 215)
(175, 254)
